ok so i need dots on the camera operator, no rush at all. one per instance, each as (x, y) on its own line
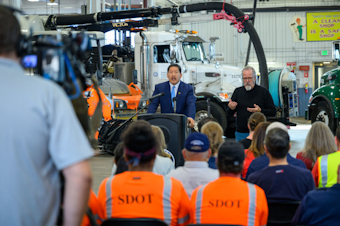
(40, 137)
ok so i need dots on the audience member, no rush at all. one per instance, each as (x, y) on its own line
(119, 164)
(94, 213)
(204, 121)
(256, 148)
(253, 121)
(281, 181)
(320, 207)
(319, 141)
(214, 132)
(163, 163)
(229, 200)
(325, 168)
(263, 161)
(41, 138)
(195, 171)
(139, 193)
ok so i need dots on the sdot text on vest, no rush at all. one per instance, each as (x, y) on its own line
(135, 199)
(216, 203)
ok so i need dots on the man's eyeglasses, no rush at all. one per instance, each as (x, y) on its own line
(249, 78)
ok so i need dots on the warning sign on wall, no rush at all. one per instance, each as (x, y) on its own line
(323, 26)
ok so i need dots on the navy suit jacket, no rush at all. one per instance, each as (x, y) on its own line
(185, 104)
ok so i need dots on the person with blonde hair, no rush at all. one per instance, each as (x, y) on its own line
(319, 141)
(254, 119)
(214, 132)
(163, 164)
(256, 148)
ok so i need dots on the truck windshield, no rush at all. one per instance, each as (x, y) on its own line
(194, 51)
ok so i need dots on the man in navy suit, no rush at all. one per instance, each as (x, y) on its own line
(184, 93)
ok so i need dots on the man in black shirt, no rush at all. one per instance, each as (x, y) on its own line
(248, 99)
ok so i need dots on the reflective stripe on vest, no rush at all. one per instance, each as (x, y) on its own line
(199, 204)
(323, 169)
(108, 198)
(252, 204)
(183, 220)
(166, 200)
(328, 167)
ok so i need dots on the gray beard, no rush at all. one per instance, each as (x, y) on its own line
(248, 88)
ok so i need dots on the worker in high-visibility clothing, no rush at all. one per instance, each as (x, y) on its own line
(139, 193)
(229, 200)
(325, 168)
(95, 210)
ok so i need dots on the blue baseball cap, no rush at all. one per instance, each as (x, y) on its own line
(197, 142)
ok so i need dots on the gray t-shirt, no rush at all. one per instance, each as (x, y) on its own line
(40, 135)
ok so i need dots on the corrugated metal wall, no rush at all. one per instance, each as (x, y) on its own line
(275, 35)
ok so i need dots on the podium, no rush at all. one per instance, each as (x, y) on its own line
(174, 127)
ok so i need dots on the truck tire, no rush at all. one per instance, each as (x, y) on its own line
(215, 110)
(323, 113)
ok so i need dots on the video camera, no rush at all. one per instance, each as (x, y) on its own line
(62, 58)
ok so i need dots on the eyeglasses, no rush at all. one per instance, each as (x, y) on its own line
(249, 78)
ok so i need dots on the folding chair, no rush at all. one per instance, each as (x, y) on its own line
(133, 222)
(282, 214)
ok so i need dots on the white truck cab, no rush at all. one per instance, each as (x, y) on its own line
(209, 79)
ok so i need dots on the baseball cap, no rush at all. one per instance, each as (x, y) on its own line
(279, 125)
(197, 142)
(231, 153)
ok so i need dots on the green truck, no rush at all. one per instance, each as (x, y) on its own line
(324, 103)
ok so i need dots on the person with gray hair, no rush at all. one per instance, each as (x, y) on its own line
(248, 99)
(195, 171)
(263, 161)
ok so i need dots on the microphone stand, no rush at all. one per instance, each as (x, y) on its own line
(174, 100)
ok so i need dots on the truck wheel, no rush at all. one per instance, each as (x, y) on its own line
(322, 113)
(215, 110)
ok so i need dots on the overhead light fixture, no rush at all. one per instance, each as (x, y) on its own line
(327, 62)
(54, 3)
(33, 0)
(258, 62)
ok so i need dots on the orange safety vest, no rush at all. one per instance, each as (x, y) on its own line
(229, 200)
(96, 210)
(140, 194)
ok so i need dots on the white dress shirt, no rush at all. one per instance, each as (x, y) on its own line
(176, 87)
(194, 174)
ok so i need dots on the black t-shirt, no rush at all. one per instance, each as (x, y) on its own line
(245, 142)
(259, 96)
(284, 182)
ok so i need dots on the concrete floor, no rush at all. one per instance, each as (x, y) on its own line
(102, 163)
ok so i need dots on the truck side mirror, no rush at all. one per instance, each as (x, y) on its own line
(212, 47)
(134, 76)
(336, 51)
(173, 52)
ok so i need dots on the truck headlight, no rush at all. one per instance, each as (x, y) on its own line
(224, 96)
(120, 104)
(142, 103)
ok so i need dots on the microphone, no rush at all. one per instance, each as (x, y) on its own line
(157, 95)
(174, 100)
